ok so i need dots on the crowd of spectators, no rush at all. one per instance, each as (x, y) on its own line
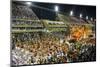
(23, 12)
(44, 48)
(23, 17)
(27, 23)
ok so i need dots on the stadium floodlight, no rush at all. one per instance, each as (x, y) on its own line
(71, 13)
(87, 17)
(56, 8)
(29, 3)
(80, 15)
(91, 19)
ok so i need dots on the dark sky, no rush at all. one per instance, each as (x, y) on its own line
(43, 13)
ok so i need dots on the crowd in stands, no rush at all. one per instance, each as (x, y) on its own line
(36, 48)
(26, 23)
(23, 12)
(23, 17)
(45, 47)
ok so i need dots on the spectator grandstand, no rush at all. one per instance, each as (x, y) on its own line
(42, 41)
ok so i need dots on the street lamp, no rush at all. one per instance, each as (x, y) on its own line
(71, 13)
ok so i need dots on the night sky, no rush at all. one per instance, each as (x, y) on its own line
(43, 13)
